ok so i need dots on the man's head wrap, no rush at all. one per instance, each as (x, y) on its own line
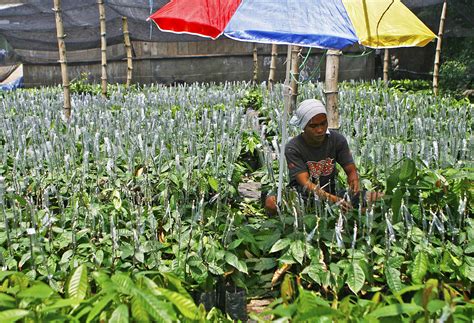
(307, 110)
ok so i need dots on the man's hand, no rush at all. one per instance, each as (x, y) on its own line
(344, 205)
(352, 178)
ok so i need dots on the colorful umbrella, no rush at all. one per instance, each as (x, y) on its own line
(311, 23)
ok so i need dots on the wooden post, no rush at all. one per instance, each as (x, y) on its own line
(295, 74)
(386, 60)
(62, 58)
(332, 71)
(438, 49)
(255, 64)
(128, 48)
(271, 76)
(103, 46)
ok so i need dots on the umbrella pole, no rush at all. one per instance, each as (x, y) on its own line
(286, 108)
(386, 59)
(271, 76)
(103, 46)
(295, 75)
(128, 48)
(62, 58)
(332, 70)
(438, 49)
(255, 64)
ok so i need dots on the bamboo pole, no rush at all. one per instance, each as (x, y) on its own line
(295, 74)
(255, 64)
(103, 46)
(62, 58)
(128, 48)
(438, 49)
(271, 76)
(332, 71)
(386, 60)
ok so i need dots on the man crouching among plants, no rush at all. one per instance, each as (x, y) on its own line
(311, 158)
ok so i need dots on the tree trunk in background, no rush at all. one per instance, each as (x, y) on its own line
(438, 49)
(332, 71)
(62, 58)
(255, 64)
(295, 74)
(128, 48)
(271, 76)
(103, 46)
(386, 60)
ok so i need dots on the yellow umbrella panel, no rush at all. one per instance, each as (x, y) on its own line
(387, 24)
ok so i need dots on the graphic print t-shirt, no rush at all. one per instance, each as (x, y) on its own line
(319, 162)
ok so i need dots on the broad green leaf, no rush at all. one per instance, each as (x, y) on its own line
(7, 301)
(396, 309)
(124, 283)
(78, 284)
(436, 305)
(280, 245)
(24, 259)
(392, 181)
(232, 260)
(408, 170)
(139, 313)
(13, 315)
(39, 290)
(397, 203)
(297, 250)
(60, 303)
(100, 305)
(65, 257)
(355, 277)
(5, 274)
(419, 267)
(185, 305)
(157, 309)
(393, 279)
(213, 183)
(120, 315)
(234, 244)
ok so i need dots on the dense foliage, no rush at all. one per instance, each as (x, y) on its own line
(133, 206)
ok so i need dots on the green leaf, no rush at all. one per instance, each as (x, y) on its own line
(297, 250)
(234, 244)
(39, 290)
(408, 170)
(232, 260)
(60, 303)
(396, 309)
(185, 305)
(420, 267)
(280, 245)
(436, 305)
(124, 283)
(100, 305)
(139, 312)
(65, 257)
(157, 309)
(13, 315)
(120, 315)
(397, 203)
(392, 181)
(213, 183)
(7, 301)
(78, 283)
(355, 277)
(393, 279)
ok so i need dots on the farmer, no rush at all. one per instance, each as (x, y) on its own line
(311, 158)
